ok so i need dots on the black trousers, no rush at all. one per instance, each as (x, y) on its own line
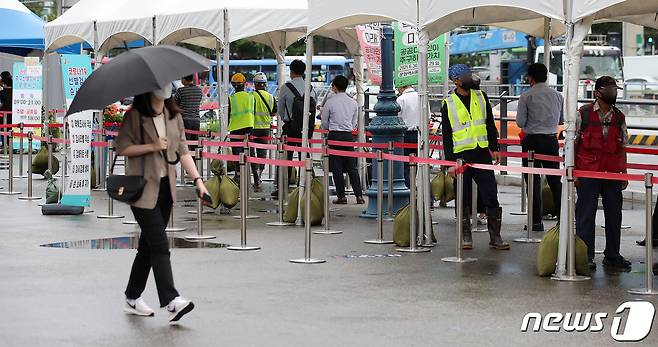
(547, 145)
(240, 150)
(192, 124)
(340, 165)
(487, 189)
(261, 153)
(153, 249)
(589, 191)
(409, 137)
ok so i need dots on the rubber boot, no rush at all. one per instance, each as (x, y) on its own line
(467, 236)
(494, 221)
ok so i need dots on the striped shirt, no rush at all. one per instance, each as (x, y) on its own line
(189, 100)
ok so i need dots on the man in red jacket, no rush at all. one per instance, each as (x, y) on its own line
(601, 146)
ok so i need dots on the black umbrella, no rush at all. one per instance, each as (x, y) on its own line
(135, 72)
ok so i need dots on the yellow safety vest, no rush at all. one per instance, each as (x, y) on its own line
(469, 130)
(242, 111)
(262, 115)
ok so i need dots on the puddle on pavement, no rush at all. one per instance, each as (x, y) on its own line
(130, 242)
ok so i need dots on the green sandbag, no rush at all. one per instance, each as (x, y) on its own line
(52, 192)
(401, 226)
(217, 168)
(213, 186)
(548, 251)
(229, 192)
(290, 214)
(547, 200)
(40, 162)
(438, 185)
(317, 189)
(316, 210)
(292, 178)
(448, 189)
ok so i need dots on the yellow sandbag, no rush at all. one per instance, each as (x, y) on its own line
(316, 210)
(213, 186)
(290, 214)
(217, 168)
(292, 178)
(547, 254)
(448, 190)
(317, 206)
(438, 185)
(229, 192)
(317, 189)
(401, 224)
(547, 200)
(40, 161)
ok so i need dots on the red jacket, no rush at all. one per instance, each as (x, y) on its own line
(593, 151)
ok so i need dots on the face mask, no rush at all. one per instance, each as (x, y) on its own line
(163, 93)
(609, 96)
(468, 83)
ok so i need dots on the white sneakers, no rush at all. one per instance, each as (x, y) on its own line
(178, 308)
(138, 307)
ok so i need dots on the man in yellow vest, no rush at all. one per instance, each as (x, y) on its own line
(264, 110)
(241, 119)
(470, 134)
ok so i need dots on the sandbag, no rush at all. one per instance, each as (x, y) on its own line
(61, 210)
(401, 224)
(317, 212)
(290, 214)
(438, 185)
(229, 192)
(214, 186)
(40, 162)
(292, 178)
(448, 189)
(217, 168)
(317, 189)
(548, 249)
(548, 207)
(52, 192)
(317, 204)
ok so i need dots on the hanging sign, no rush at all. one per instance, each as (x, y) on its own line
(27, 98)
(406, 57)
(369, 41)
(77, 190)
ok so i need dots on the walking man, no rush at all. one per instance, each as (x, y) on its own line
(539, 113)
(264, 109)
(410, 114)
(470, 134)
(339, 116)
(601, 146)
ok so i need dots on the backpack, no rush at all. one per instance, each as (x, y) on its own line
(296, 123)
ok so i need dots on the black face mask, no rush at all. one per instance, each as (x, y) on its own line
(468, 83)
(609, 96)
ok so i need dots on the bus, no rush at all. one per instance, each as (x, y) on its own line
(325, 68)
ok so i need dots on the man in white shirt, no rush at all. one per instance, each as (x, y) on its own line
(410, 114)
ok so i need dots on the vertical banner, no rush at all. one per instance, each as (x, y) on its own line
(75, 70)
(369, 40)
(27, 98)
(406, 56)
(77, 191)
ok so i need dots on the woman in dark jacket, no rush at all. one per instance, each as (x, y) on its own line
(152, 138)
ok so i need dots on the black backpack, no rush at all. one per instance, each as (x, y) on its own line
(296, 123)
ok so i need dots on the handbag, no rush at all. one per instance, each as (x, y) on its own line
(126, 188)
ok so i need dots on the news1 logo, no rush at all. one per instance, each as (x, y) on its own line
(637, 321)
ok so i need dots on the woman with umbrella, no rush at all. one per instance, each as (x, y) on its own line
(152, 138)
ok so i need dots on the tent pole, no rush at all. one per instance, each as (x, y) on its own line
(446, 65)
(225, 78)
(360, 99)
(547, 42)
(218, 80)
(423, 148)
(280, 53)
(306, 125)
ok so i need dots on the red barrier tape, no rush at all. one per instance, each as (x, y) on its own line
(352, 154)
(608, 176)
(549, 158)
(431, 161)
(7, 126)
(638, 150)
(437, 147)
(192, 143)
(261, 145)
(33, 125)
(5, 133)
(217, 156)
(525, 170)
(648, 167)
(514, 155)
(111, 133)
(265, 161)
(357, 144)
(196, 132)
(40, 138)
(221, 144)
(62, 141)
(405, 145)
(394, 157)
(55, 125)
(302, 149)
(99, 144)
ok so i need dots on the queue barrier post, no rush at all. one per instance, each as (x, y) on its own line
(5, 139)
(21, 152)
(571, 275)
(208, 161)
(244, 185)
(524, 210)
(389, 183)
(244, 197)
(530, 202)
(50, 152)
(199, 222)
(281, 177)
(648, 260)
(459, 202)
(307, 222)
(10, 167)
(325, 180)
(199, 165)
(380, 203)
(110, 202)
(29, 196)
(413, 216)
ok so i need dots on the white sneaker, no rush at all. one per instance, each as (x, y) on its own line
(138, 307)
(178, 308)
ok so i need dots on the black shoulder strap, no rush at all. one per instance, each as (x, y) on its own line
(269, 109)
(584, 118)
(293, 90)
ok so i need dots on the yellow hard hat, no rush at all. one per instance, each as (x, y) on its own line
(238, 78)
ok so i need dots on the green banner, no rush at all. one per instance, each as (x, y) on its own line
(406, 57)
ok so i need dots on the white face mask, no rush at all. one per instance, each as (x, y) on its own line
(163, 93)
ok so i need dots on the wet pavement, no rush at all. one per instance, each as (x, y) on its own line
(364, 295)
